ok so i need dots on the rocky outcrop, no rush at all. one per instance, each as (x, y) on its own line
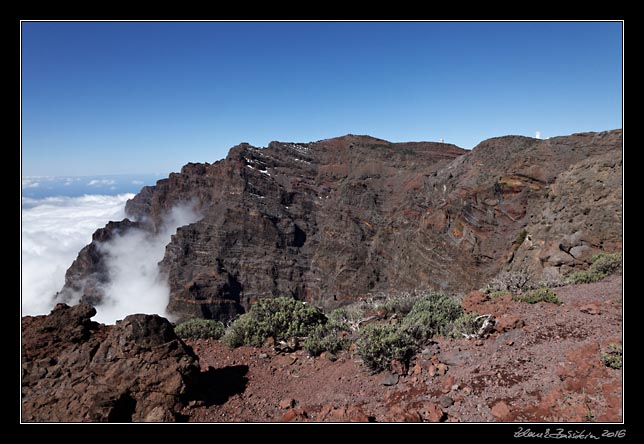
(336, 219)
(581, 216)
(522, 203)
(75, 370)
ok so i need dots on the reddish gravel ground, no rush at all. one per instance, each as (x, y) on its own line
(544, 364)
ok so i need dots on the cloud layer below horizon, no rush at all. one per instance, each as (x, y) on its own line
(54, 230)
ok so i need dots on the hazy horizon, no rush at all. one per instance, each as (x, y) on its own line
(39, 187)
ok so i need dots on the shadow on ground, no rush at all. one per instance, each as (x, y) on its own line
(217, 385)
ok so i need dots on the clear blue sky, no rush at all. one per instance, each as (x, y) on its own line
(146, 97)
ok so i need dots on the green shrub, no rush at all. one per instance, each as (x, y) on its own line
(585, 277)
(613, 357)
(499, 294)
(433, 314)
(244, 331)
(551, 282)
(345, 318)
(200, 328)
(378, 345)
(603, 265)
(282, 318)
(325, 338)
(539, 295)
(400, 303)
(606, 263)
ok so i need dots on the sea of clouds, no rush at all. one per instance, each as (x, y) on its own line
(38, 187)
(55, 228)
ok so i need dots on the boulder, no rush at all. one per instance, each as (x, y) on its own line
(75, 370)
(445, 401)
(390, 379)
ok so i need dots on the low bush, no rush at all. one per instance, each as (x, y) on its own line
(200, 328)
(552, 282)
(345, 318)
(603, 265)
(512, 281)
(282, 318)
(400, 303)
(585, 277)
(539, 295)
(325, 338)
(499, 294)
(606, 263)
(613, 356)
(433, 314)
(378, 345)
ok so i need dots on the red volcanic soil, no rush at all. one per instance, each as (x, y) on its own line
(544, 365)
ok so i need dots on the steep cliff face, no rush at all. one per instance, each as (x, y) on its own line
(292, 219)
(333, 220)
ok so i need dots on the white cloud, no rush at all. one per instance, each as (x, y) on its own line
(54, 230)
(135, 283)
(137, 182)
(100, 182)
(30, 183)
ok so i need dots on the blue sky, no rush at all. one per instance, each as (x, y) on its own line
(38, 187)
(122, 98)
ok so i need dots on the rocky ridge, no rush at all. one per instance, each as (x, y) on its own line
(334, 220)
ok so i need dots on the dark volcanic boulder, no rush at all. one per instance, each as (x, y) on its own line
(75, 370)
(333, 220)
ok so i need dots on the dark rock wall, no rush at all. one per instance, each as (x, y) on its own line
(336, 219)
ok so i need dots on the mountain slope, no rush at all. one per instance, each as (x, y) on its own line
(334, 220)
